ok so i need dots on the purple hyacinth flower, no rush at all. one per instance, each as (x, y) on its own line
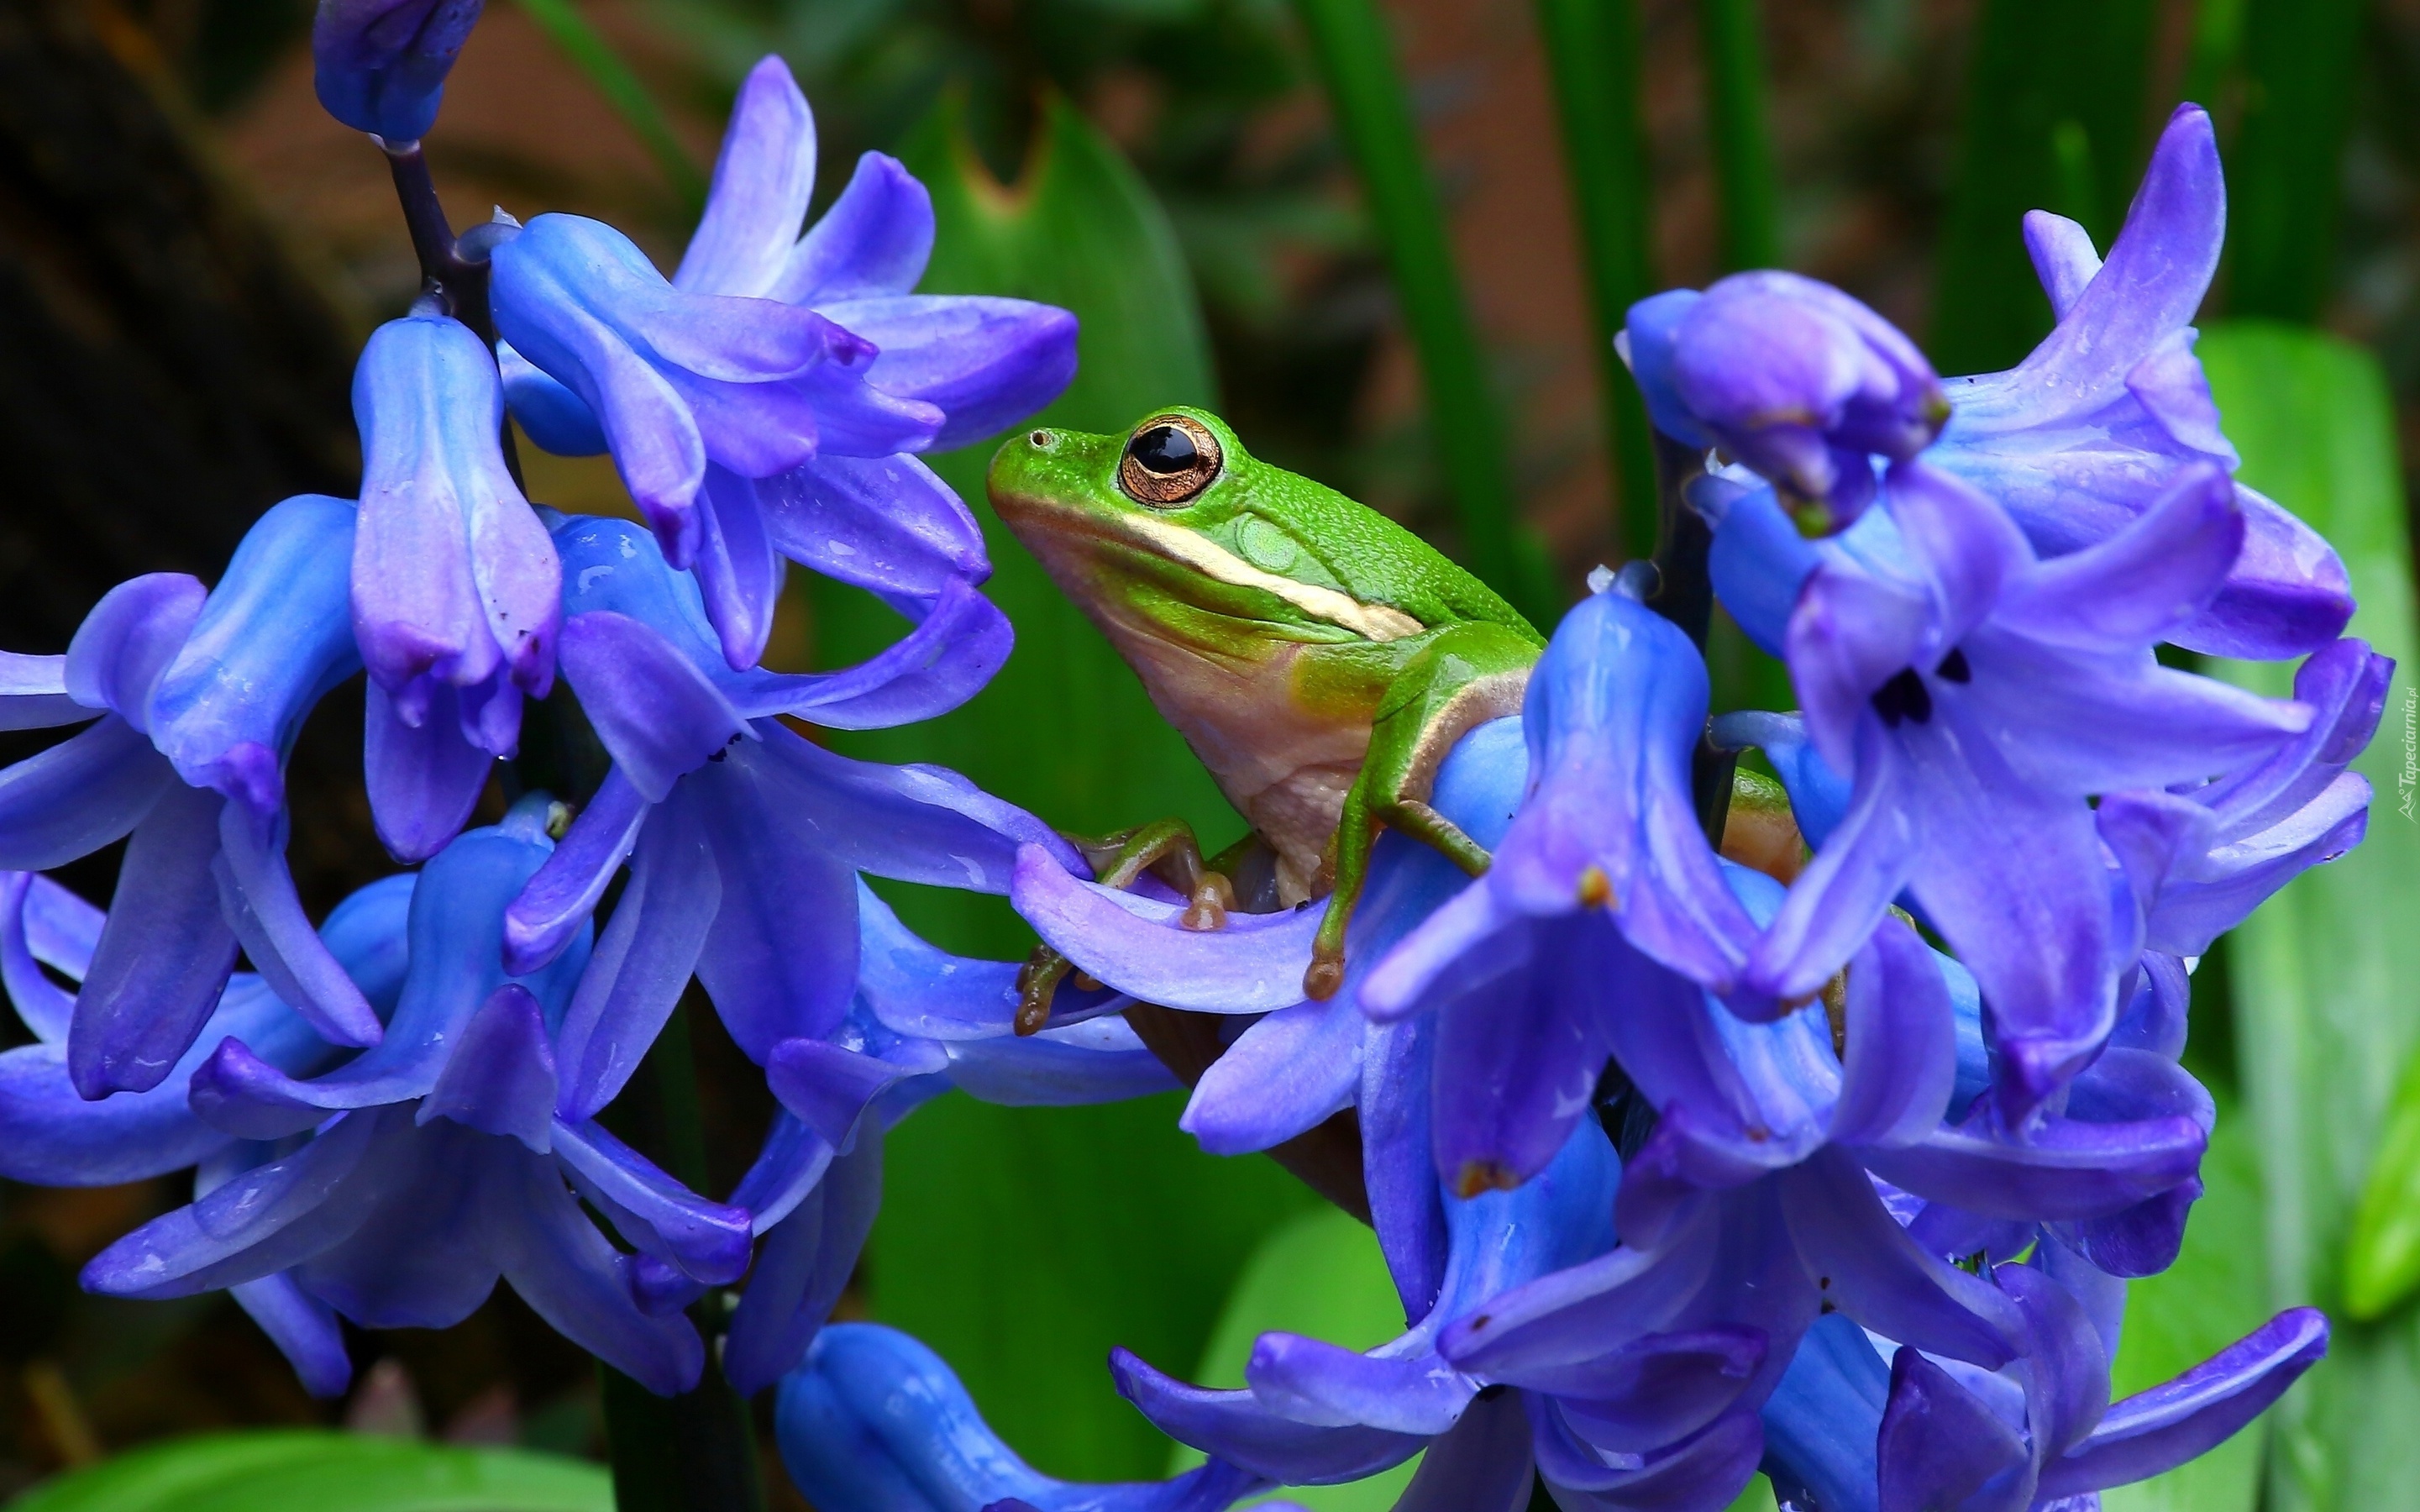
(2202, 857)
(1602, 898)
(1962, 1438)
(381, 65)
(875, 1419)
(922, 1022)
(440, 1159)
(454, 584)
(2091, 429)
(682, 381)
(1659, 1412)
(1978, 698)
(742, 460)
(1793, 378)
(200, 697)
(51, 1136)
(743, 839)
(1298, 1061)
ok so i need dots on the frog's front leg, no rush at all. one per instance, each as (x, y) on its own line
(1167, 847)
(1467, 676)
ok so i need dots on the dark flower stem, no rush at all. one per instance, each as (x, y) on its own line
(691, 1452)
(461, 283)
(695, 1452)
(1684, 593)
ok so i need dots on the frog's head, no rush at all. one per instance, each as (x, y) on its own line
(1173, 527)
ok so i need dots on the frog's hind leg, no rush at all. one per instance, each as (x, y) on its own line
(1169, 850)
(1469, 675)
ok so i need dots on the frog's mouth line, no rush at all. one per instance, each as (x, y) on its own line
(1180, 547)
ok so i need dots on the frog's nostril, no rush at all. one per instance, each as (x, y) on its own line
(1041, 438)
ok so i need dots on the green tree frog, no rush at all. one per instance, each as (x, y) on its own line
(1319, 658)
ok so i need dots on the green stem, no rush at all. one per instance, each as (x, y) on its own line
(1592, 52)
(695, 1452)
(1729, 34)
(589, 52)
(1356, 58)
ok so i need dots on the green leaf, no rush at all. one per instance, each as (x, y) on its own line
(2322, 974)
(1320, 1275)
(316, 1467)
(1757, 1496)
(2382, 1257)
(2217, 1292)
(2285, 177)
(2054, 119)
(1373, 114)
(1730, 34)
(1023, 1242)
(1592, 52)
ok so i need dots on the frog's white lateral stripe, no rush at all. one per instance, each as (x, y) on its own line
(1371, 621)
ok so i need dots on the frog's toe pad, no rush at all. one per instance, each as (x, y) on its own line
(1324, 978)
(1212, 899)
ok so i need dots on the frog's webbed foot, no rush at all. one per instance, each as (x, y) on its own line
(1168, 851)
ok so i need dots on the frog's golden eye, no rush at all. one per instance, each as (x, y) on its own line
(1169, 459)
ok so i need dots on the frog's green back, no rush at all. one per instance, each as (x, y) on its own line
(1364, 554)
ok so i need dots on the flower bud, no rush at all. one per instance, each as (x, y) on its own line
(1792, 376)
(381, 64)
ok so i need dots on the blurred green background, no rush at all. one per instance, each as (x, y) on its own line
(1389, 244)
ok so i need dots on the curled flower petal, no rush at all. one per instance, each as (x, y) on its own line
(89, 789)
(876, 1419)
(2084, 434)
(304, 1330)
(763, 179)
(985, 363)
(806, 1260)
(643, 960)
(164, 957)
(126, 643)
(888, 524)
(655, 711)
(874, 241)
(1254, 965)
(500, 1079)
(2169, 1424)
(565, 889)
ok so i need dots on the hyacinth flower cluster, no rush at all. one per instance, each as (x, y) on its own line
(388, 1109)
(1695, 1154)
(1690, 1153)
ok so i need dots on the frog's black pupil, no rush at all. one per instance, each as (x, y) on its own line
(1165, 449)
